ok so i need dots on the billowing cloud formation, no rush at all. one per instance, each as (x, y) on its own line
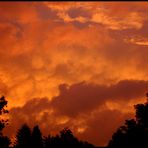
(46, 44)
(83, 97)
(110, 15)
(81, 106)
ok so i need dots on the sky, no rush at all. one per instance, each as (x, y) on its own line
(81, 65)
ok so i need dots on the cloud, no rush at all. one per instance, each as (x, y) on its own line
(38, 47)
(46, 44)
(99, 125)
(82, 107)
(113, 23)
(82, 97)
(138, 41)
(101, 13)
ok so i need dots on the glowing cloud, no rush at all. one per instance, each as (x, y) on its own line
(47, 44)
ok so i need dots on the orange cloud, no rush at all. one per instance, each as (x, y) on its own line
(80, 106)
(46, 44)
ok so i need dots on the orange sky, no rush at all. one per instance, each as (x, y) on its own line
(76, 64)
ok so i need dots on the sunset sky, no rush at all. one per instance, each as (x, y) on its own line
(81, 65)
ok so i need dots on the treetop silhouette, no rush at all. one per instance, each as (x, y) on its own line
(4, 140)
(134, 132)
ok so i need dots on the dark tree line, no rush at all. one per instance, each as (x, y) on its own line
(134, 133)
(26, 138)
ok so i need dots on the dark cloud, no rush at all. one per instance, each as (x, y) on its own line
(102, 124)
(80, 25)
(46, 44)
(81, 98)
(76, 12)
(45, 12)
(81, 101)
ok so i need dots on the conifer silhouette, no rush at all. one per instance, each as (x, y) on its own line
(23, 137)
(36, 138)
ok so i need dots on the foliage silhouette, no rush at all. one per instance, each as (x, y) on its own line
(134, 132)
(4, 140)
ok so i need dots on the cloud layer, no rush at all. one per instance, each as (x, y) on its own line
(82, 107)
(92, 55)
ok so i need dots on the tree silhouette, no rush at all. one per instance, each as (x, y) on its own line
(52, 142)
(36, 138)
(4, 140)
(3, 104)
(134, 132)
(142, 114)
(65, 139)
(23, 137)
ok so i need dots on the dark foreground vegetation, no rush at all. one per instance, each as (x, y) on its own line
(134, 134)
